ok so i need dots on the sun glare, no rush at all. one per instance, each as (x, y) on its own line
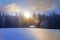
(27, 14)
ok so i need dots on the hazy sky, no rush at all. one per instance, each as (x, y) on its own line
(34, 5)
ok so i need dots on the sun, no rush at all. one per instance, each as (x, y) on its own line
(27, 14)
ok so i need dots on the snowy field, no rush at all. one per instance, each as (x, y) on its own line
(29, 34)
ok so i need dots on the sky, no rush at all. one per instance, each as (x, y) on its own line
(33, 5)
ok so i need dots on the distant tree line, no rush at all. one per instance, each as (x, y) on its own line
(7, 21)
(50, 21)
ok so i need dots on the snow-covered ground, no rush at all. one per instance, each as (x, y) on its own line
(29, 34)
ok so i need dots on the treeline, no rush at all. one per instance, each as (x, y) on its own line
(50, 21)
(8, 21)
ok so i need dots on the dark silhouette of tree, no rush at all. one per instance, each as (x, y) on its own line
(54, 21)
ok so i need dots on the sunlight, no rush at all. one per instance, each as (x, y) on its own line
(27, 14)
